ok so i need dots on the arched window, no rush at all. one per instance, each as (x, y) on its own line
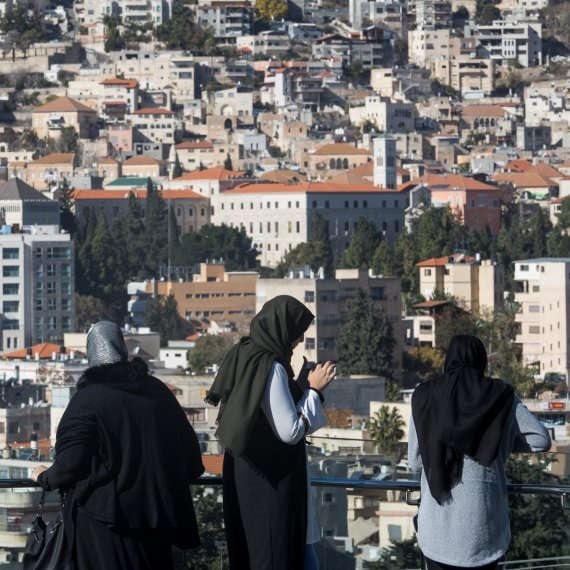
(345, 163)
(331, 163)
(339, 163)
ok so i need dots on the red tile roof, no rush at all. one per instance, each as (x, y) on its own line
(523, 179)
(56, 158)
(483, 111)
(307, 188)
(63, 105)
(153, 111)
(139, 193)
(118, 82)
(45, 350)
(453, 182)
(446, 259)
(334, 149)
(217, 173)
(195, 145)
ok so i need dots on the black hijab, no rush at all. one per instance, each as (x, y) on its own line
(241, 380)
(461, 413)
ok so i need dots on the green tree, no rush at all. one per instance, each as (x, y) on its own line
(398, 556)
(365, 342)
(67, 141)
(451, 321)
(135, 238)
(363, 243)
(161, 315)
(89, 310)
(177, 170)
(271, 9)
(230, 245)
(312, 253)
(114, 41)
(209, 350)
(66, 202)
(181, 32)
(486, 12)
(383, 262)
(156, 229)
(539, 524)
(211, 555)
(386, 429)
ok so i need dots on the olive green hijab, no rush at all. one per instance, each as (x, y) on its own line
(241, 380)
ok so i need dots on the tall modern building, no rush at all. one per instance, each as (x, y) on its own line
(37, 269)
(542, 286)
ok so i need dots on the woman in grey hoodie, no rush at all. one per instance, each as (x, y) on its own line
(463, 427)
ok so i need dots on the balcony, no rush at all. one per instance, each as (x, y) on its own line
(365, 506)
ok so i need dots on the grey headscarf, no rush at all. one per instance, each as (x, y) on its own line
(105, 344)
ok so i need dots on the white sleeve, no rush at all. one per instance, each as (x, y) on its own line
(286, 418)
(414, 457)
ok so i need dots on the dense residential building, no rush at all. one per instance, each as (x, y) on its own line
(213, 294)
(477, 204)
(326, 298)
(541, 290)
(477, 284)
(508, 40)
(49, 119)
(227, 18)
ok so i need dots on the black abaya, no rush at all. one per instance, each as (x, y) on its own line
(265, 504)
(107, 549)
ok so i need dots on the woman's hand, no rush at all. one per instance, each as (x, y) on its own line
(38, 471)
(322, 375)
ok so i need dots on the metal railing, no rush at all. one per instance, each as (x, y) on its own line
(406, 486)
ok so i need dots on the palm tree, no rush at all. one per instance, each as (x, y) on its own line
(386, 431)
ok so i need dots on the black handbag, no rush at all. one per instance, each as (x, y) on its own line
(45, 547)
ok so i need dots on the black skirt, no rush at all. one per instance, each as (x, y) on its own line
(265, 516)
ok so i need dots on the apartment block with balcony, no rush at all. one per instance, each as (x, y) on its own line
(541, 290)
(227, 18)
(508, 40)
(327, 299)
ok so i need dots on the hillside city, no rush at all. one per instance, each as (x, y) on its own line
(402, 167)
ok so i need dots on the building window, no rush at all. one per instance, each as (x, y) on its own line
(309, 343)
(533, 329)
(427, 272)
(10, 271)
(10, 288)
(524, 267)
(298, 227)
(309, 296)
(10, 253)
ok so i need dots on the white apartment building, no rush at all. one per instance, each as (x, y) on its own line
(384, 114)
(91, 12)
(509, 40)
(388, 12)
(326, 298)
(267, 43)
(541, 289)
(429, 14)
(227, 18)
(426, 45)
(37, 269)
(37, 287)
(279, 217)
(157, 124)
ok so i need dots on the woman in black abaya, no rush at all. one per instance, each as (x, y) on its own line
(125, 454)
(263, 419)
